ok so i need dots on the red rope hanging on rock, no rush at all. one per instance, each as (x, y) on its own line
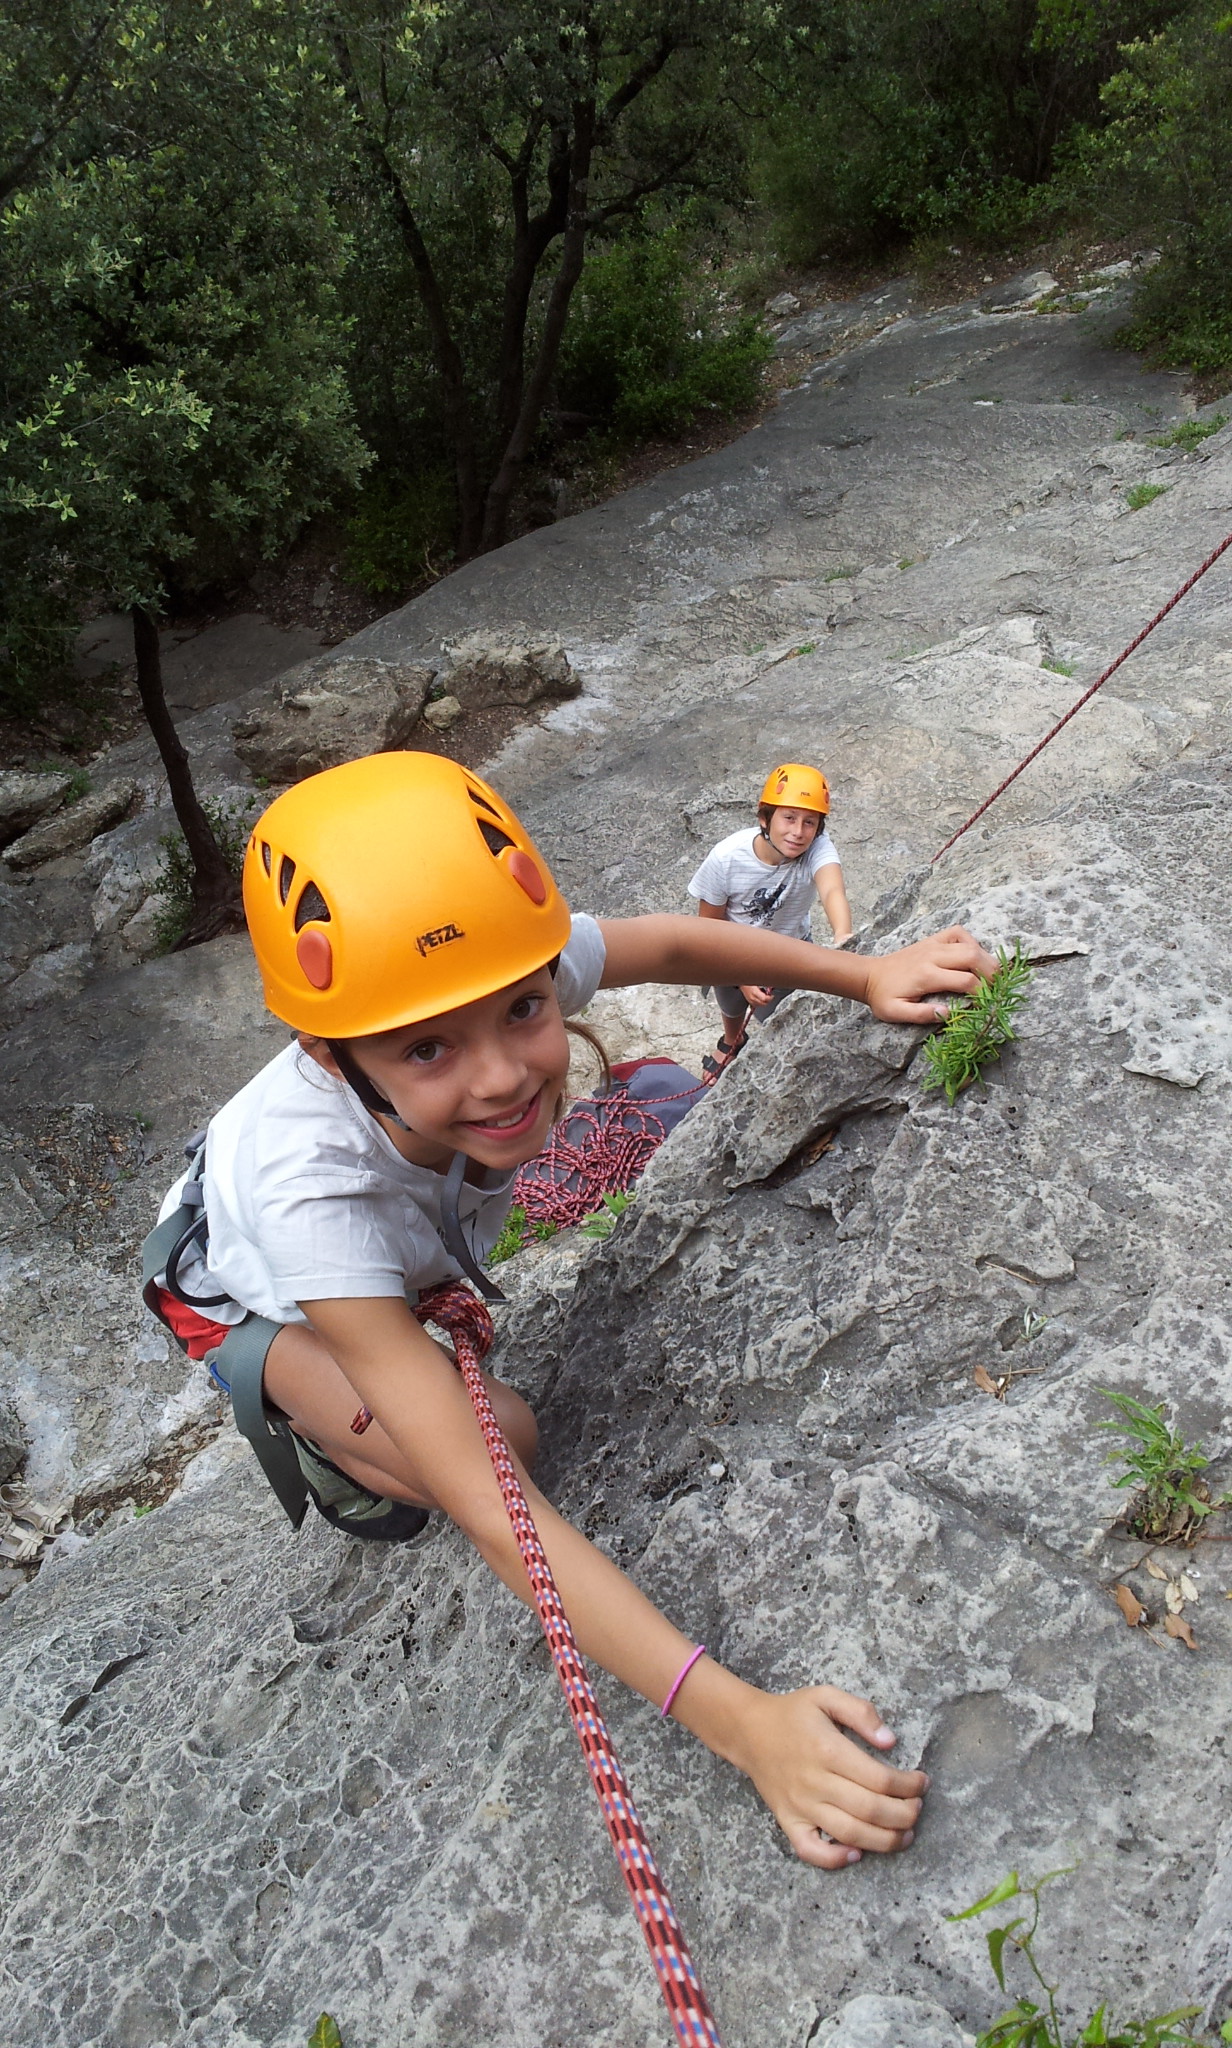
(466, 1320)
(1098, 684)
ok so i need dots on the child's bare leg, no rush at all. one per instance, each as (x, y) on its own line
(302, 1380)
(733, 1017)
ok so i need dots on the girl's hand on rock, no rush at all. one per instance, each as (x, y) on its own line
(951, 963)
(817, 1784)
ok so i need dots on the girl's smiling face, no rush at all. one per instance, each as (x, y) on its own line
(792, 832)
(484, 1079)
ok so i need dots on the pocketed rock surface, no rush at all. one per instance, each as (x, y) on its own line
(252, 1775)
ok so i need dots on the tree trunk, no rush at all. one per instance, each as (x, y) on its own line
(449, 364)
(535, 391)
(216, 901)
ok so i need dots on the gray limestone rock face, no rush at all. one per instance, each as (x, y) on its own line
(73, 827)
(890, 2023)
(332, 710)
(338, 1777)
(25, 797)
(253, 1774)
(483, 675)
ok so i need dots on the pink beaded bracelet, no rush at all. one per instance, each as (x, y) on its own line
(680, 1677)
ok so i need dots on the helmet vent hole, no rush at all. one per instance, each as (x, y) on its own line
(497, 840)
(481, 803)
(311, 908)
(267, 858)
(286, 875)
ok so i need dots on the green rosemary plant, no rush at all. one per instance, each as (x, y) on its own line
(978, 1027)
(1031, 2025)
(1171, 1499)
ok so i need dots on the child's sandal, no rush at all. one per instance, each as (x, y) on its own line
(717, 1062)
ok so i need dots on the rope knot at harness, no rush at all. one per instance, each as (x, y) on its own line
(465, 1319)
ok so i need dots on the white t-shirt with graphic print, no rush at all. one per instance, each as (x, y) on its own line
(308, 1198)
(779, 899)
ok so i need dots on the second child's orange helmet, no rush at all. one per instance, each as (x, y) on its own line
(800, 788)
(392, 889)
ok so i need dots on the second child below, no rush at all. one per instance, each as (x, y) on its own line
(768, 875)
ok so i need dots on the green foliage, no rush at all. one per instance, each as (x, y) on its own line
(325, 2034)
(978, 1027)
(1162, 1466)
(1158, 164)
(648, 349)
(932, 118)
(401, 532)
(173, 405)
(517, 1233)
(1189, 434)
(1059, 668)
(231, 824)
(1139, 495)
(1030, 2025)
(602, 1222)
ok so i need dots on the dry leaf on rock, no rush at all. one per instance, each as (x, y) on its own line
(987, 1384)
(1174, 1598)
(1188, 1587)
(1176, 1625)
(1129, 1604)
(1156, 1570)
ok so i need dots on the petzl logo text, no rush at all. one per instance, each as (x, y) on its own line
(427, 942)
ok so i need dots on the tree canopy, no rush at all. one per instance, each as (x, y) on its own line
(253, 252)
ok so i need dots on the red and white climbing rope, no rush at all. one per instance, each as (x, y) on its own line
(1086, 696)
(466, 1321)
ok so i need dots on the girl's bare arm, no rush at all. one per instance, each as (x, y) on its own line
(896, 986)
(809, 1774)
(828, 882)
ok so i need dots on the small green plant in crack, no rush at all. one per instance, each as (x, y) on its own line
(602, 1222)
(841, 575)
(517, 1233)
(1171, 1502)
(978, 1028)
(1059, 668)
(78, 779)
(1029, 2024)
(1189, 434)
(1139, 495)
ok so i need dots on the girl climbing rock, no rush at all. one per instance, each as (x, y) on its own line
(766, 875)
(410, 934)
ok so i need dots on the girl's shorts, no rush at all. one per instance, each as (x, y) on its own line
(732, 1003)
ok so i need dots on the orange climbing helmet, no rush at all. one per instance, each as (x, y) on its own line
(391, 889)
(800, 788)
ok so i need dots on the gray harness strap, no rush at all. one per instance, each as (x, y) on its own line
(239, 1364)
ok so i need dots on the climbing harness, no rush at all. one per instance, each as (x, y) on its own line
(466, 1321)
(1098, 684)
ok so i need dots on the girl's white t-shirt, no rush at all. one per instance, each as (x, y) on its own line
(779, 899)
(309, 1200)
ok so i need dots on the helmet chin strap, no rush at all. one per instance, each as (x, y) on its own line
(451, 1226)
(358, 1082)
